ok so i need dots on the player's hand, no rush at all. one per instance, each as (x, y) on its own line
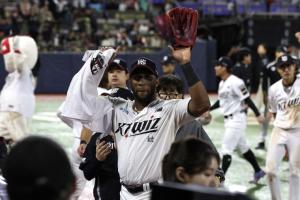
(182, 55)
(102, 151)
(260, 119)
(81, 149)
(205, 118)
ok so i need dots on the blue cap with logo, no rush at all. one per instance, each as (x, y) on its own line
(224, 61)
(120, 63)
(144, 63)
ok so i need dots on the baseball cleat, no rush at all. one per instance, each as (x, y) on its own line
(257, 176)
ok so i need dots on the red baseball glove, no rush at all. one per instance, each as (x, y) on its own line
(183, 23)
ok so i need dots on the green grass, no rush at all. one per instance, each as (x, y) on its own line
(238, 176)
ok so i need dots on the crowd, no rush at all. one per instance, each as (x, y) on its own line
(73, 26)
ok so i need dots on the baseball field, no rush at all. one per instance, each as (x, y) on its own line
(238, 176)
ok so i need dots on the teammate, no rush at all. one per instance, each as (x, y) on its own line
(17, 101)
(168, 64)
(243, 68)
(270, 76)
(117, 76)
(145, 127)
(232, 92)
(284, 103)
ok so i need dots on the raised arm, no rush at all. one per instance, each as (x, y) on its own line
(199, 103)
(82, 102)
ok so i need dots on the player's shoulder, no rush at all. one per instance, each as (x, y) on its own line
(276, 86)
(235, 79)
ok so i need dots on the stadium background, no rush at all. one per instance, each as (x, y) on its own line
(65, 29)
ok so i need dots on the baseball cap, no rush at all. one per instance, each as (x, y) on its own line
(282, 48)
(120, 63)
(167, 60)
(285, 60)
(144, 63)
(224, 61)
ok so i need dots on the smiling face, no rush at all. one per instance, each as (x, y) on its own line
(143, 84)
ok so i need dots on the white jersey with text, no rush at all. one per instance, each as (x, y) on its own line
(285, 102)
(143, 138)
(17, 94)
(231, 94)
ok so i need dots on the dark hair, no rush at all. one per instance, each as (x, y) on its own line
(168, 81)
(38, 168)
(193, 154)
(242, 53)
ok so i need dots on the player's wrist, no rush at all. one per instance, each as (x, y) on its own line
(189, 74)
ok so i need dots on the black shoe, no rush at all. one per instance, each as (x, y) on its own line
(261, 146)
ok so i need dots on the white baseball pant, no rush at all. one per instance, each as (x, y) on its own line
(234, 136)
(276, 152)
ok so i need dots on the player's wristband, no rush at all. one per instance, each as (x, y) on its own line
(189, 74)
(83, 142)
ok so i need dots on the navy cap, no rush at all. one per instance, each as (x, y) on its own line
(144, 63)
(168, 59)
(285, 60)
(119, 63)
(224, 61)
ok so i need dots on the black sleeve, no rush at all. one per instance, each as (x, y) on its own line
(265, 80)
(215, 106)
(250, 103)
(90, 165)
(206, 138)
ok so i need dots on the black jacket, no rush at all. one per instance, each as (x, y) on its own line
(107, 179)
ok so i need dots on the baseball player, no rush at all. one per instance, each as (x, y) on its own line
(232, 92)
(270, 76)
(284, 103)
(17, 100)
(144, 128)
(243, 68)
(117, 76)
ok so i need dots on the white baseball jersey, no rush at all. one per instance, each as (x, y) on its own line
(17, 94)
(142, 138)
(231, 94)
(285, 102)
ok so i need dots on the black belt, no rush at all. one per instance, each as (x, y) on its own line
(139, 188)
(227, 116)
(231, 115)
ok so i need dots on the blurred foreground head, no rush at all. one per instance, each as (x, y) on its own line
(38, 168)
